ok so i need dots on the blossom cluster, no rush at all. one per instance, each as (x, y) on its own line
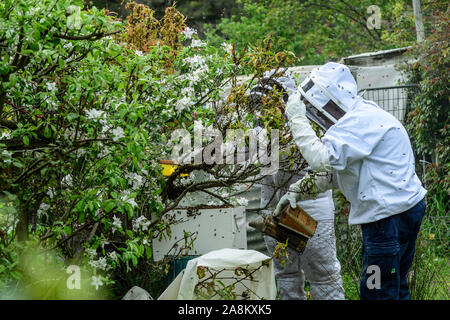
(141, 223)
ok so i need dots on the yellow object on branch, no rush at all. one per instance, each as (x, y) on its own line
(169, 167)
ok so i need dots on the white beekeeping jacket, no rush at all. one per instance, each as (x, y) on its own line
(372, 155)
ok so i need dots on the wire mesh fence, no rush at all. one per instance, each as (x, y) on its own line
(395, 99)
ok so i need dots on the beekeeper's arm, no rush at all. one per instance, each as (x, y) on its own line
(310, 146)
(342, 144)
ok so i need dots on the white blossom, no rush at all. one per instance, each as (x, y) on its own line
(196, 61)
(188, 32)
(68, 46)
(51, 86)
(117, 223)
(96, 282)
(141, 223)
(118, 133)
(135, 180)
(227, 47)
(103, 242)
(51, 104)
(242, 201)
(99, 264)
(95, 114)
(187, 91)
(183, 103)
(5, 135)
(80, 152)
(225, 195)
(197, 43)
(113, 256)
(67, 180)
(126, 198)
(133, 202)
(43, 208)
(91, 253)
(193, 78)
(51, 192)
(7, 154)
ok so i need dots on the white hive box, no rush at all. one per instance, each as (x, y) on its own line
(216, 229)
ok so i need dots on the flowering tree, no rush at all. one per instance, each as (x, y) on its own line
(89, 106)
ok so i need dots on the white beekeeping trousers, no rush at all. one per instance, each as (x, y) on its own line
(318, 263)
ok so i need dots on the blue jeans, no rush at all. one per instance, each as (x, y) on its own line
(388, 250)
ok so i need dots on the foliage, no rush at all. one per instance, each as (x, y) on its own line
(428, 121)
(88, 108)
(318, 31)
(348, 248)
(429, 274)
(197, 12)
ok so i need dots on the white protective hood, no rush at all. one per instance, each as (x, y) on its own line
(331, 91)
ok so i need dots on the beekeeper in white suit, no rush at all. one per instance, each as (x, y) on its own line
(370, 153)
(318, 262)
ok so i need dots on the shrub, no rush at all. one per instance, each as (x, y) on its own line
(88, 106)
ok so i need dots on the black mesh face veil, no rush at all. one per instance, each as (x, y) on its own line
(308, 86)
(316, 116)
(324, 119)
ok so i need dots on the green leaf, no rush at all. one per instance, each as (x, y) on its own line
(26, 140)
(81, 217)
(68, 230)
(80, 206)
(130, 233)
(47, 132)
(92, 206)
(16, 274)
(148, 252)
(133, 116)
(109, 205)
(134, 260)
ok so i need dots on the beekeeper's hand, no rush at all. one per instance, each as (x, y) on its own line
(289, 198)
(285, 83)
(295, 108)
(306, 188)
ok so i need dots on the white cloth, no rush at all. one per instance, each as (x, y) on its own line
(262, 287)
(369, 149)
